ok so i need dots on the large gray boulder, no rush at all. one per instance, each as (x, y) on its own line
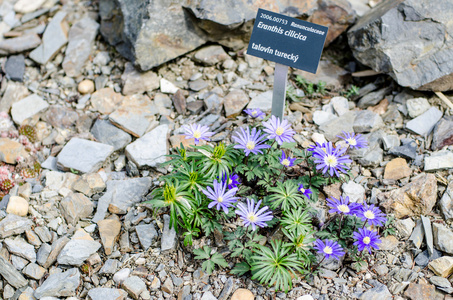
(411, 40)
(152, 32)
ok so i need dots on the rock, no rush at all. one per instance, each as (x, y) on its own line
(18, 206)
(32, 238)
(20, 44)
(443, 133)
(354, 191)
(168, 241)
(14, 92)
(34, 271)
(446, 202)
(428, 234)
(10, 274)
(208, 296)
(134, 286)
(417, 106)
(76, 206)
(21, 248)
(415, 198)
(198, 85)
(27, 108)
(86, 86)
(57, 246)
(163, 104)
(227, 289)
(81, 39)
(438, 161)
(106, 133)
(53, 39)
(106, 293)
(146, 234)
(366, 121)
(418, 27)
(78, 249)
(336, 127)
(83, 155)
(407, 150)
(405, 227)
(167, 87)
(121, 275)
(135, 115)
(340, 105)
(440, 281)
(62, 117)
(109, 231)
(90, 184)
(27, 6)
(442, 266)
(424, 258)
(110, 266)
(323, 117)
(43, 233)
(420, 291)
(262, 101)
(425, 123)
(372, 158)
(388, 243)
(168, 287)
(13, 225)
(242, 294)
(379, 292)
(305, 297)
(443, 238)
(120, 195)
(63, 284)
(329, 72)
(234, 102)
(146, 28)
(43, 253)
(15, 67)
(179, 102)
(373, 98)
(210, 55)
(150, 149)
(138, 83)
(105, 100)
(397, 169)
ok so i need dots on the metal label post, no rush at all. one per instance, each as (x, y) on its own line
(279, 95)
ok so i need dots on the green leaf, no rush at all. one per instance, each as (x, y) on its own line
(218, 259)
(240, 269)
(202, 253)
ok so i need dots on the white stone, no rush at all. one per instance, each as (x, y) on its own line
(167, 87)
(439, 161)
(305, 297)
(321, 117)
(354, 191)
(150, 149)
(417, 106)
(424, 123)
(340, 105)
(318, 138)
(121, 275)
(27, 108)
(27, 6)
(18, 206)
(262, 101)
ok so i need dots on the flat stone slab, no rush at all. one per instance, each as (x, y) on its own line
(146, 234)
(262, 101)
(424, 123)
(59, 284)
(78, 249)
(121, 194)
(10, 274)
(439, 161)
(10, 150)
(107, 133)
(83, 155)
(53, 39)
(21, 248)
(106, 293)
(150, 149)
(13, 224)
(134, 115)
(27, 108)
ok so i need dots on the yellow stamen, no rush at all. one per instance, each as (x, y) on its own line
(230, 181)
(331, 161)
(250, 145)
(220, 199)
(328, 250)
(251, 217)
(369, 214)
(343, 208)
(197, 134)
(351, 141)
(254, 113)
(285, 162)
(279, 131)
(366, 240)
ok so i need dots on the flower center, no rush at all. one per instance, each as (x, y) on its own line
(351, 141)
(220, 199)
(196, 134)
(302, 190)
(369, 214)
(285, 162)
(230, 181)
(250, 145)
(328, 250)
(343, 208)
(252, 218)
(366, 240)
(279, 131)
(254, 113)
(331, 161)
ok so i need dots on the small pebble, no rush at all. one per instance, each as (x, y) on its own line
(86, 86)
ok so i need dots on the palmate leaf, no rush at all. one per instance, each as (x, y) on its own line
(210, 260)
(240, 269)
(286, 195)
(215, 161)
(275, 266)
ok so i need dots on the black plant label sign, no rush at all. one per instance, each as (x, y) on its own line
(287, 41)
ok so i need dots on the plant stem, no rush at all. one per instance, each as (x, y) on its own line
(269, 149)
(276, 178)
(317, 265)
(339, 225)
(364, 223)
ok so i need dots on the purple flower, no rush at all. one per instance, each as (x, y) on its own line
(219, 197)
(329, 248)
(355, 141)
(250, 214)
(232, 180)
(304, 191)
(250, 142)
(366, 238)
(287, 161)
(342, 206)
(372, 214)
(197, 132)
(332, 159)
(280, 131)
(255, 113)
